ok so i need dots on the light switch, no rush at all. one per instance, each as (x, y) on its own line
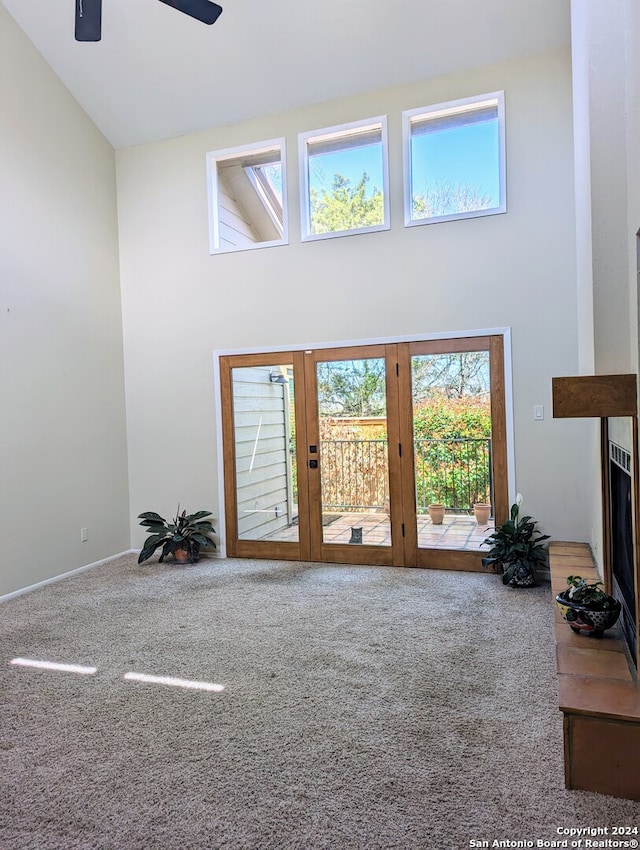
(538, 411)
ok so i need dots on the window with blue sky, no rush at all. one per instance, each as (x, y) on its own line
(344, 179)
(455, 160)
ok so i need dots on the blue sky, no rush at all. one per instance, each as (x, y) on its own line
(467, 154)
(350, 163)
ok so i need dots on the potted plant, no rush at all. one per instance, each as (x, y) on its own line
(181, 538)
(587, 607)
(517, 549)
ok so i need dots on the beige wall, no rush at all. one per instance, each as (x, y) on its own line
(63, 463)
(613, 159)
(62, 439)
(606, 85)
(516, 270)
(607, 128)
(633, 171)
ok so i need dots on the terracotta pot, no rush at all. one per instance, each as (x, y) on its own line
(436, 512)
(181, 556)
(482, 513)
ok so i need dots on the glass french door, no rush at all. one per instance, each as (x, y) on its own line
(263, 426)
(352, 456)
(338, 454)
(454, 429)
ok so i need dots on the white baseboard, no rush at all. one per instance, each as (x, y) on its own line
(62, 576)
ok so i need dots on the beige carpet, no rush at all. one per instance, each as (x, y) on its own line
(362, 708)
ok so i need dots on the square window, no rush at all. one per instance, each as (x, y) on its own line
(454, 157)
(343, 180)
(247, 197)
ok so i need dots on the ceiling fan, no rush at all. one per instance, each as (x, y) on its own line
(89, 15)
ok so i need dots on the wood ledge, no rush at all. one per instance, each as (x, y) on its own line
(595, 675)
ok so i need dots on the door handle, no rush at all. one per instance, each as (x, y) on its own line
(313, 464)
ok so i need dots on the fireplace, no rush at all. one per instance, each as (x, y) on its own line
(613, 399)
(621, 541)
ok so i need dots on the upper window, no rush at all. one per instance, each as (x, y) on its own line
(455, 160)
(344, 179)
(247, 197)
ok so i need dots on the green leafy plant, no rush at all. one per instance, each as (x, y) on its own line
(517, 548)
(452, 450)
(186, 533)
(590, 593)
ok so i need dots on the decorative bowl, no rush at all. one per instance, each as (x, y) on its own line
(586, 619)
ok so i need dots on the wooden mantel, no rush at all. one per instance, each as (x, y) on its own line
(595, 395)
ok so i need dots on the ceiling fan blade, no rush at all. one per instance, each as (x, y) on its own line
(202, 10)
(88, 20)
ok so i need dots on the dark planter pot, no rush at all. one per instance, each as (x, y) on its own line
(587, 619)
(182, 556)
(520, 576)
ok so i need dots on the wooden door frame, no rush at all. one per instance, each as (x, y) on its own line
(455, 559)
(344, 553)
(271, 354)
(234, 546)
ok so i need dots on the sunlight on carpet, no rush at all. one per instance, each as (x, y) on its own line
(173, 682)
(53, 665)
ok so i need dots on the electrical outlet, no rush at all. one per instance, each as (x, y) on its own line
(84, 535)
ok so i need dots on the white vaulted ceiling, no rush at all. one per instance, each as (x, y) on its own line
(157, 73)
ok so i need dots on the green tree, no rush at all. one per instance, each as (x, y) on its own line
(441, 418)
(352, 388)
(345, 207)
(357, 387)
(452, 450)
(454, 375)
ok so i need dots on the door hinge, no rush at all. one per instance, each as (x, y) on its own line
(397, 369)
(403, 529)
(400, 449)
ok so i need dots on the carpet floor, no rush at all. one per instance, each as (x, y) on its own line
(362, 708)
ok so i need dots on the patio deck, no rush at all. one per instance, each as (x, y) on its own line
(456, 532)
